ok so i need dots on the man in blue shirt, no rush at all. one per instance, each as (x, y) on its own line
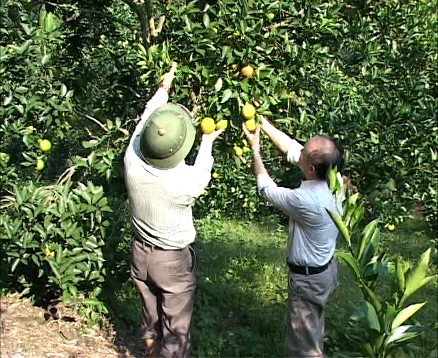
(312, 234)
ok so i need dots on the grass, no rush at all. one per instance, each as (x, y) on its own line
(242, 290)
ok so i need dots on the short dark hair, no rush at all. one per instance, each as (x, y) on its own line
(328, 156)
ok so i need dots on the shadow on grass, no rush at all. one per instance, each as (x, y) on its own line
(240, 303)
(240, 299)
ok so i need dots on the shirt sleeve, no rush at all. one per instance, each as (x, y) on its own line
(201, 169)
(159, 99)
(284, 199)
(293, 152)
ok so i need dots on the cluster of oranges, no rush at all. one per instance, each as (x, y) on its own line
(45, 146)
(248, 112)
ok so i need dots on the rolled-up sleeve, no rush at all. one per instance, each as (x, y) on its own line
(284, 199)
(201, 170)
(294, 152)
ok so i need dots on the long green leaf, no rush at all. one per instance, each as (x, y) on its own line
(371, 248)
(366, 236)
(404, 333)
(350, 261)
(372, 319)
(417, 278)
(332, 180)
(372, 298)
(406, 314)
(54, 268)
(400, 274)
(337, 219)
(357, 215)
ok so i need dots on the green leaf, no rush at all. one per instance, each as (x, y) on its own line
(366, 236)
(226, 95)
(390, 313)
(54, 268)
(404, 333)
(15, 264)
(371, 249)
(337, 219)
(400, 274)
(218, 85)
(332, 180)
(187, 21)
(406, 314)
(206, 20)
(417, 277)
(357, 215)
(372, 298)
(63, 90)
(350, 261)
(46, 58)
(372, 319)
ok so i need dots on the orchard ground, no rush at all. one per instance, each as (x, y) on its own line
(240, 302)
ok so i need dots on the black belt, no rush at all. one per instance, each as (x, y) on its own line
(308, 270)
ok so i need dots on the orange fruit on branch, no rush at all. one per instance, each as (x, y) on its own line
(247, 71)
(248, 111)
(207, 125)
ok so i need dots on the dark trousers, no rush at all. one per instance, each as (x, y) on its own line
(166, 282)
(308, 295)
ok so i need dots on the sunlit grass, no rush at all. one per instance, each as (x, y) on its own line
(242, 290)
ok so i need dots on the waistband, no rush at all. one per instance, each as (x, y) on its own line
(308, 270)
(154, 247)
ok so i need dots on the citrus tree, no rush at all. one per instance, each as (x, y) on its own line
(76, 76)
(360, 73)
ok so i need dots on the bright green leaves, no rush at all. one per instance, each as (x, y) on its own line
(405, 314)
(337, 219)
(380, 319)
(60, 235)
(417, 277)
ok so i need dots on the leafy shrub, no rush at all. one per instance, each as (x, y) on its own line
(381, 325)
(52, 238)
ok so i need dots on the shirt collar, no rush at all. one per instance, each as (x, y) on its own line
(313, 183)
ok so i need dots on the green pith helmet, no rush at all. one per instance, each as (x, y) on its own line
(167, 136)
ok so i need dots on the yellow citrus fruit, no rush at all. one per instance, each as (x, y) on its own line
(222, 124)
(45, 145)
(215, 175)
(247, 71)
(391, 227)
(238, 151)
(248, 111)
(208, 125)
(270, 15)
(39, 164)
(251, 124)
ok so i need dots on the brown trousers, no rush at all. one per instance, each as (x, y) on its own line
(166, 282)
(308, 295)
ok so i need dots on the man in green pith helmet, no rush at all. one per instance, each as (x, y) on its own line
(162, 190)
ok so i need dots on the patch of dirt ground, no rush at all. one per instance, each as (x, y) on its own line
(25, 332)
